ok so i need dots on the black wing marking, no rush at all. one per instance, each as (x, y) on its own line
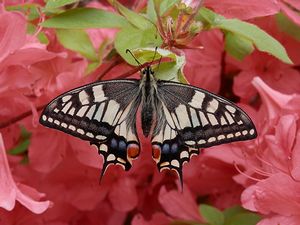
(194, 118)
(102, 113)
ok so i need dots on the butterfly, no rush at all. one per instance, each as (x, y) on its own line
(179, 118)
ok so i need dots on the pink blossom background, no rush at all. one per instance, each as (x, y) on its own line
(59, 184)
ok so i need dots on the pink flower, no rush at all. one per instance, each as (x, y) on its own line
(243, 9)
(179, 205)
(156, 219)
(203, 67)
(278, 194)
(12, 192)
(276, 74)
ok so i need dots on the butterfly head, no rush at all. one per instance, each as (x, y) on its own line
(147, 71)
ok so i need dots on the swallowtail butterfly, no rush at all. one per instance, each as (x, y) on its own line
(179, 118)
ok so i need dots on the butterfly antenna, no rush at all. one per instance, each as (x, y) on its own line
(128, 51)
(154, 55)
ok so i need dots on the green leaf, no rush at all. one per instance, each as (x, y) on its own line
(83, 18)
(211, 214)
(52, 4)
(20, 148)
(23, 144)
(133, 38)
(288, 26)
(262, 40)
(165, 5)
(151, 14)
(134, 18)
(31, 29)
(78, 41)
(238, 46)
(231, 212)
(245, 219)
(29, 9)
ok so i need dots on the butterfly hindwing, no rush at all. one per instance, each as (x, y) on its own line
(194, 118)
(102, 113)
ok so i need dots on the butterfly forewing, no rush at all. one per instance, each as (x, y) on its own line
(194, 118)
(102, 113)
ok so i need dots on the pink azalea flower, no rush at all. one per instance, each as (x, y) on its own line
(243, 9)
(276, 74)
(12, 192)
(278, 194)
(156, 219)
(203, 65)
(179, 205)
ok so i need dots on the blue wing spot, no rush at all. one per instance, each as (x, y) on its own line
(166, 148)
(174, 148)
(122, 145)
(113, 143)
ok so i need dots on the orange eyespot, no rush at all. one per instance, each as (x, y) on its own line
(156, 152)
(133, 151)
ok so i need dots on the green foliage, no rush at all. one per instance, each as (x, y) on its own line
(53, 5)
(135, 19)
(288, 26)
(211, 215)
(235, 215)
(83, 18)
(132, 38)
(246, 31)
(78, 41)
(23, 144)
(237, 45)
(137, 30)
(29, 9)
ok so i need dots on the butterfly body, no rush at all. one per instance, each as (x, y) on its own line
(179, 118)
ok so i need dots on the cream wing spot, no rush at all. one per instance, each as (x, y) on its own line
(175, 163)
(98, 93)
(168, 116)
(112, 110)
(212, 119)
(91, 111)
(211, 139)
(201, 141)
(82, 111)
(71, 127)
(197, 100)
(111, 157)
(212, 106)
(80, 131)
(99, 112)
(66, 98)
(203, 119)
(44, 117)
(66, 107)
(184, 154)
(229, 118)
(182, 115)
(195, 120)
(230, 108)
(83, 97)
(72, 111)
